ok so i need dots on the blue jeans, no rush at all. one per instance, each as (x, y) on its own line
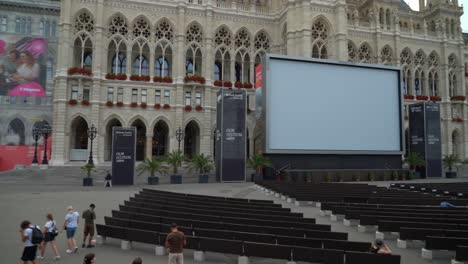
(71, 232)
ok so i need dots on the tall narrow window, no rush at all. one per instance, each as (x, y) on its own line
(41, 28)
(110, 94)
(3, 23)
(74, 92)
(188, 98)
(167, 97)
(134, 95)
(28, 25)
(198, 98)
(86, 94)
(18, 25)
(54, 29)
(120, 95)
(47, 28)
(143, 95)
(157, 97)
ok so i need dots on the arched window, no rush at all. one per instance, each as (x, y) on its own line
(140, 55)
(83, 47)
(284, 38)
(141, 28)
(406, 60)
(141, 65)
(262, 41)
(119, 63)
(162, 67)
(163, 59)
(193, 57)
(118, 55)
(419, 80)
(84, 22)
(118, 26)
(407, 80)
(351, 51)
(365, 53)
(222, 64)
(242, 66)
(433, 83)
(218, 68)
(386, 55)
(319, 40)
(452, 75)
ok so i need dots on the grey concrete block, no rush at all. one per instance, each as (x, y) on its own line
(100, 240)
(243, 260)
(199, 256)
(160, 251)
(125, 244)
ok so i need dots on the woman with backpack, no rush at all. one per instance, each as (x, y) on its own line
(50, 232)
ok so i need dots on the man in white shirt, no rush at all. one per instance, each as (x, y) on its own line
(29, 252)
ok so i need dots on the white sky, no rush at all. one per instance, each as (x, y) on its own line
(464, 19)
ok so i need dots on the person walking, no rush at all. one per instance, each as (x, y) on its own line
(72, 220)
(30, 248)
(175, 241)
(89, 216)
(50, 232)
(108, 180)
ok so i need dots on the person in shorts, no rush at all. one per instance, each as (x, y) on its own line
(29, 251)
(72, 220)
(50, 232)
(175, 241)
(89, 216)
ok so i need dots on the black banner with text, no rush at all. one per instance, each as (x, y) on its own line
(123, 155)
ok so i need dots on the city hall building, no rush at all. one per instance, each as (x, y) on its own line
(158, 65)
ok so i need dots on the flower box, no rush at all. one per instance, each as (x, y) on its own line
(138, 78)
(109, 104)
(133, 104)
(167, 79)
(238, 85)
(248, 85)
(157, 106)
(110, 76)
(119, 104)
(458, 120)
(72, 102)
(157, 79)
(435, 98)
(409, 97)
(422, 97)
(458, 98)
(188, 108)
(197, 79)
(121, 77)
(135, 78)
(143, 105)
(167, 106)
(78, 70)
(85, 103)
(199, 108)
(218, 83)
(227, 84)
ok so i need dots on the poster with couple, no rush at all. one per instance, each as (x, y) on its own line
(22, 66)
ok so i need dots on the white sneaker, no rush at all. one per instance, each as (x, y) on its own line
(40, 257)
(57, 257)
(69, 251)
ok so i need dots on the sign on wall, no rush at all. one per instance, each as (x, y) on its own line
(123, 155)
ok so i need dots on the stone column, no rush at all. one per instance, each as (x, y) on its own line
(151, 62)
(129, 61)
(341, 36)
(149, 145)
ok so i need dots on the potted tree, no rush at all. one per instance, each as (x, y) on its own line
(203, 165)
(88, 169)
(394, 176)
(450, 161)
(258, 162)
(175, 159)
(152, 166)
(414, 160)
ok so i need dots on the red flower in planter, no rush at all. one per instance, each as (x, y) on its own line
(409, 97)
(85, 102)
(198, 108)
(188, 108)
(422, 97)
(218, 83)
(238, 85)
(157, 79)
(121, 77)
(458, 98)
(120, 104)
(435, 98)
(133, 104)
(248, 85)
(145, 78)
(72, 102)
(458, 120)
(198, 79)
(227, 84)
(135, 78)
(168, 79)
(79, 70)
(167, 106)
(110, 104)
(157, 106)
(143, 105)
(110, 76)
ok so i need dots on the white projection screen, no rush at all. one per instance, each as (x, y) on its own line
(327, 107)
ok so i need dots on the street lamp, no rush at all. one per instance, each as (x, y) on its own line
(36, 134)
(46, 131)
(92, 132)
(179, 135)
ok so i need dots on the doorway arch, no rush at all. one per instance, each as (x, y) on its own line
(160, 139)
(192, 139)
(114, 122)
(141, 139)
(78, 139)
(15, 133)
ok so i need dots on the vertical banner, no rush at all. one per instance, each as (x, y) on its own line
(231, 141)
(258, 90)
(424, 136)
(123, 155)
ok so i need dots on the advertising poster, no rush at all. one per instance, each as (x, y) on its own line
(258, 90)
(123, 155)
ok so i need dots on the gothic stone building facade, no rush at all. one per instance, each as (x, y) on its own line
(157, 65)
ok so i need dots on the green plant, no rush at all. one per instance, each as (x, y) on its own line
(88, 169)
(175, 159)
(450, 161)
(414, 160)
(356, 178)
(394, 175)
(151, 166)
(371, 176)
(328, 178)
(258, 162)
(202, 164)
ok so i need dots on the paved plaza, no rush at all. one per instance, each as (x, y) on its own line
(30, 194)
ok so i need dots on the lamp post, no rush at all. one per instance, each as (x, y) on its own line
(92, 132)
(179, 135)
(36, 134)
(46, 131)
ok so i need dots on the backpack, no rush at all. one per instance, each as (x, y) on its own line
(37, 235)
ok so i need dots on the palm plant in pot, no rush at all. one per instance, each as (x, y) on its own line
(152, 166)
(203, 165)
(258, 162)
(450, 161)
(88, 170)
(174, 160)
(414, 160)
